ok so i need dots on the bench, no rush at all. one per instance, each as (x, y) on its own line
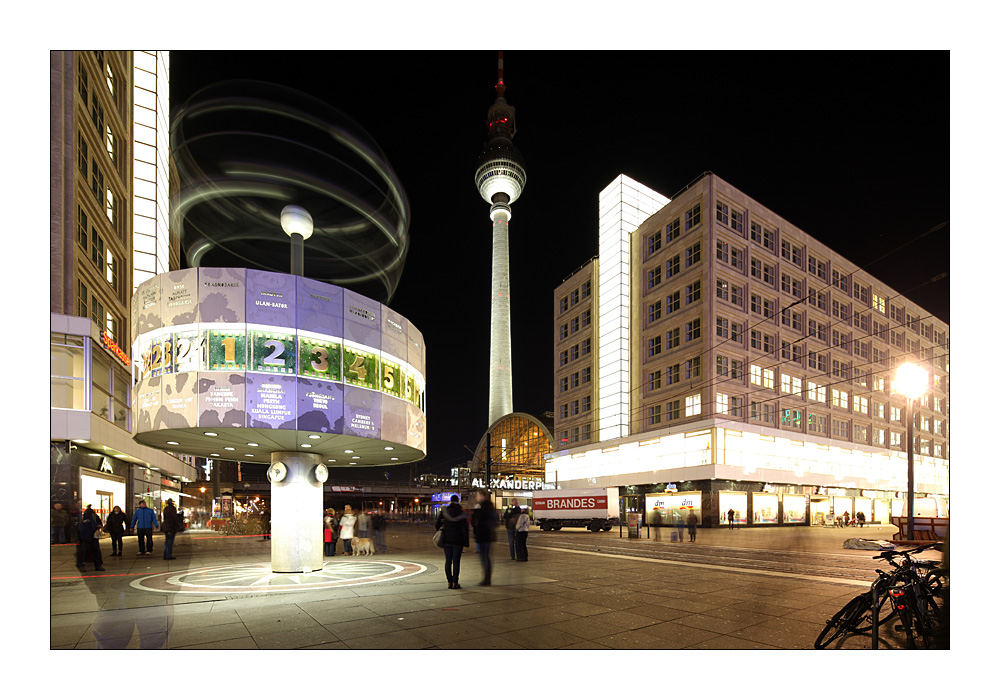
(925, 529)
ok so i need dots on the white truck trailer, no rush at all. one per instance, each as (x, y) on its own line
(594, 509)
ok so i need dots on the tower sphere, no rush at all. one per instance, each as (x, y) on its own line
(500, 171)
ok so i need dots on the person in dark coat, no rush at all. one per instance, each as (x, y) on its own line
(692, 526)
(116, 526)
(510, 517)
(484, 523)
(89, 529)
(171, 526)
(454, 522)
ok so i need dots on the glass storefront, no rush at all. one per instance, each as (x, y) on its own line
(793, 508)
(735, 500)
(674, 506)
(765, 507)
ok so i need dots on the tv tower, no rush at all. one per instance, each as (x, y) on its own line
(500, 177)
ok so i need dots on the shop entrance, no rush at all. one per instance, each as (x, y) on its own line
(632, 508)
(105, 502)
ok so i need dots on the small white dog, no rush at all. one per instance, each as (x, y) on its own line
(362, 545)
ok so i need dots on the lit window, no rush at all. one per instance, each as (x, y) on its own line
(692, 405)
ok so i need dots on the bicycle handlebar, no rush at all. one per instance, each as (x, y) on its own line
(889, 556)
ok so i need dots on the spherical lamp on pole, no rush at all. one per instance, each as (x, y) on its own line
(911, 381)
(298, 224)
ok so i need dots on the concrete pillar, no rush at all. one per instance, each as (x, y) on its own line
(296, 512)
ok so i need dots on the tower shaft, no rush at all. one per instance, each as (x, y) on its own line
(501, 384)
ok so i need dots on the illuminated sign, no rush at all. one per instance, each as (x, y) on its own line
(113, 347)
(512, 483)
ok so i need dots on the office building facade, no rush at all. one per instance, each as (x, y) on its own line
(109, 200)
(761, 373)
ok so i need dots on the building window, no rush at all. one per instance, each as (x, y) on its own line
(673, 266)
(817, 423)
(563, 304)
(861, 405)
(769, 275)
(737, 221)
(673, 338)
(655, 310)
(768, 308)
(82, 297)
(585, 372)
(692, 255)
(722, 289)
(563, 358)
(653, 242)
(673, 374)
(692, 405)
(585, 290)
(841, 428)
(574, 352)
(839, 398)
(791, 418)
(816, 392)
(574, 324)
(673, 230)
(654, 380)
(82, 84)
(82, 154)
(878, 303)
(692, 368)
(655, 414)
(722, 213)
(673, 409)
(841, 280)
(109, 141)
(563, 384)
(722, 365)
(722, 327)
(653, 277)
(736, 259)
(721, 404)
(585, 318)
(722, 251)
(761, 412)
(755, 303)
(574, 297)
(563, 331)
(653, 346)
(564, 411)
(692, 330)
(692, 292)
(673, 302)
(692, 217)
(81, 229)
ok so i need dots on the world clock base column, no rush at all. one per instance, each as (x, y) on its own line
(297, 480)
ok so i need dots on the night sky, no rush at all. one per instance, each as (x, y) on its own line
(851, 147)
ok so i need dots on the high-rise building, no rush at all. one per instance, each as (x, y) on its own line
(500, 178)
(760, 370)
(108, 232)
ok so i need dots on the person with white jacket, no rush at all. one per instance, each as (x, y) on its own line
(347, 521)
(521, 536)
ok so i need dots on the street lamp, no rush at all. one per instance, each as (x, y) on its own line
(911, 380)
(298, 224)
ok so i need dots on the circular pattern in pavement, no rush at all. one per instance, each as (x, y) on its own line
(258, 578)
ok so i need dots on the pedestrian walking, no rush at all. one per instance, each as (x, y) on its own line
(484, 529)
(329, 535)
(265, 524)
(347, 522)
(379, 523)
(656, 520)
(510, 516)
(454, 524)
(116, 526)
(861, 519)
(521, 539)
(89, 531)
(732, 517)
(58, 522)
(170, 527)
(692, 526)
(143, 521)
(364, 524)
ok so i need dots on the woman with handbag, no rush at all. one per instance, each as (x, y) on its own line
(454, 525)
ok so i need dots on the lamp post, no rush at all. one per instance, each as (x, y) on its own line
(911, 380)
(298, 224)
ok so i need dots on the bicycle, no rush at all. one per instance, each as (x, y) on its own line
(904, 593)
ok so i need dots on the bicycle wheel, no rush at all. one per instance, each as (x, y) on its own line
(937, 582)
(845, 621)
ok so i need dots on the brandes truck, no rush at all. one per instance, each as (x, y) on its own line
(594, 509)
